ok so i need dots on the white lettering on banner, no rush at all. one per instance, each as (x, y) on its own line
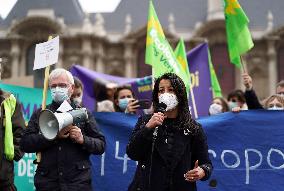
(164, 49)
(22, 168)
(248, 167)
(26, 166)
(212, 152)
(103, 164)
(30, 167)
(237, 163)
(269, 161)
(124, 158)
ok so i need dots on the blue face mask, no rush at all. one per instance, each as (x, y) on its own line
(59, 94)
(122, 103)
(232, 105)
(275, 108)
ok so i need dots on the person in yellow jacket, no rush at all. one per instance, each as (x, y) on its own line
(11, 129)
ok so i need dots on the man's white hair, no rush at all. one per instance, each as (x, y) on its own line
(58, 72)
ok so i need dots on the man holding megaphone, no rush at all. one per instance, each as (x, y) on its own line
(65, 140)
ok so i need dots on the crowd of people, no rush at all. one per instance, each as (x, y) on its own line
(246, 100)
(124, 100)
(169, 145)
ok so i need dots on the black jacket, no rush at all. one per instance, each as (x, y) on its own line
(252, 100)
(64, 164)
(18, 124)
(175, 152)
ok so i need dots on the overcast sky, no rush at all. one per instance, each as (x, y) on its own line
(87, 5)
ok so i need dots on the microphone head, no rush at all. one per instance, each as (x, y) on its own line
(161, 107)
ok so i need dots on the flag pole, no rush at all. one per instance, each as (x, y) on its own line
(193, 101)
(44, 96)
(243, 66)
(153, 80)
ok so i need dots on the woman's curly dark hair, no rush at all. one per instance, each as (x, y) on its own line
(184, 116)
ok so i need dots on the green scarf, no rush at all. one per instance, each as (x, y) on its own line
(9, 107)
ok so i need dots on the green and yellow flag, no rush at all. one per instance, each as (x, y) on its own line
(180, 53)
(159, 53)
(216, 89)
(238, 35)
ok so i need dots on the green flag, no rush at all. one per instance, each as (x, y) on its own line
(159, 53)
(181, 57)
(216, 89)
(180, 53)
(238, 35)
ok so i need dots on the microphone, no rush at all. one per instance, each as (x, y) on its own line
(161, 107)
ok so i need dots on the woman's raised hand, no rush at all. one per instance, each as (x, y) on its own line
(156, 120)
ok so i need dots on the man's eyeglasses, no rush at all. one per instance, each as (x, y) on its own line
(60, 85)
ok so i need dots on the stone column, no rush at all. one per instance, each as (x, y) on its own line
(171, 20)
(99, 58)
(87, 52)
(128, 24)
(214, 10)
(128, 58)
(15, 53)
(272, 64)
(23, 61)
(99, 28)
(60, 56)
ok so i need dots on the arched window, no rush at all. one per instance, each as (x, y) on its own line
(142, 68)
(30, 60)
(224, 69)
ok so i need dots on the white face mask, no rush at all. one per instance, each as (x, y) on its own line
(215, 109)
(169, 99)
(78, 100)
(59, 94)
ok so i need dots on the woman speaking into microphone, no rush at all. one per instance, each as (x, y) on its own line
(170, 147)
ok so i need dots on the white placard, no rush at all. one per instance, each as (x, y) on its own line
(64, 107)
(46, 53)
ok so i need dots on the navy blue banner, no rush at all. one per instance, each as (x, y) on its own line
(114, 170)
(247, 151)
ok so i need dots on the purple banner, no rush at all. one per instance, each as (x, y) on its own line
(197, 60)
(95, 85)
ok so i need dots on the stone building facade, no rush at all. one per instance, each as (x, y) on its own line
(114, 43)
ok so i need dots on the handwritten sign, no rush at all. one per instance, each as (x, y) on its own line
(46, 53)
